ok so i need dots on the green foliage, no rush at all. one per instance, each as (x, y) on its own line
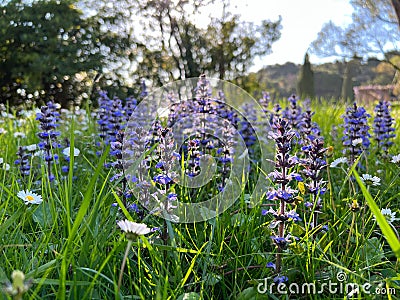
(70, 247)
(235, 44)
(44, 44)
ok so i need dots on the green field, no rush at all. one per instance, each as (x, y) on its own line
(70, 247)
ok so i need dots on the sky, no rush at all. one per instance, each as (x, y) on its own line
(301, 22)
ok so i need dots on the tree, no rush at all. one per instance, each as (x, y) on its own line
(305, 84)
(348, 79)
(373, 32)
(237, 43)
(396, 6)
(44, 44)
(171, 47)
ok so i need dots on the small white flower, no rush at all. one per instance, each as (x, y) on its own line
(67, 150)
(389, 215)
(2, 130)
(19, 135)
(4, 165)
(40, 153)
(29, 197)
(133, 229)
(370, 180)
(338, 161)
(395, 159)
(31, 148)
(357, 141)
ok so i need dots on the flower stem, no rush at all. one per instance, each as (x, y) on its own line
(123, 264)
(281, 229)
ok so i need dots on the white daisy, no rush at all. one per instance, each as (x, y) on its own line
(132, 229)
(31, 148)
(29, 197)
(395, 159)
(2, 130)
(338, 161)
(39, 153)
(67, 150)
(4, 165)
(357, 141)
(19, 135)
(370, 180)
(389, 215)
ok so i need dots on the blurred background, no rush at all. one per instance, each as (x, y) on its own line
(67, 51)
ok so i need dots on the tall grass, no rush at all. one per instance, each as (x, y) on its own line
(71, 248)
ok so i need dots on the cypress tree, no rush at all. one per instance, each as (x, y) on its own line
(348, 82)
(305, 84)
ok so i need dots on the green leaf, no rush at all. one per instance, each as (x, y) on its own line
(42, 215)
(212, 279)
(251, 293)
(383, 224)
(372, 251)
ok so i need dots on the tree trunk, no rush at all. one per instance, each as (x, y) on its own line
(396, 6)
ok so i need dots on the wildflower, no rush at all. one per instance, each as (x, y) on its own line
(271, 265)
(308, 130)
(293, 112)
(280, 279)
(370, 180)
(48, 118)
(354, 206)
(19, 135)
(246, 129)
(31, 148)
(356, 142)
(314, 163)
(130, 105)
(395, 159)
(19, 285)
(132, 229)
(23, 161)
(115, 119)
(29, 197)
(275, 113)
(338, 161)
(383, 127)
(356, 136)
(282, 134)
(389, 215)
(67, 151)
(103, 114)
(162, 179)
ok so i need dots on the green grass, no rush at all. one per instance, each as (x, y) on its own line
(71, 248)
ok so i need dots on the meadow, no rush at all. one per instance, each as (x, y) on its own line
(66, 185)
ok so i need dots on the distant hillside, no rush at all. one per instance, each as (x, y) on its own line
(281, 80)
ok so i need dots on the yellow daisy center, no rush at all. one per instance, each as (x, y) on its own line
(29, 198)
